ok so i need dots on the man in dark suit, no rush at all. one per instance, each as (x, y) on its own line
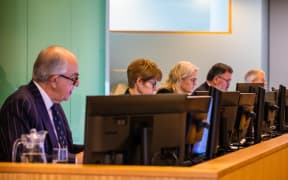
(219, 76)
(55, 74)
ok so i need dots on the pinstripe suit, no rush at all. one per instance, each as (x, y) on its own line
(24, 110)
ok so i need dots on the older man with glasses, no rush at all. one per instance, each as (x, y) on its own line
(37, 104)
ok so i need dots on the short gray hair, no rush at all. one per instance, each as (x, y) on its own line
(50, 61)
(253, 74)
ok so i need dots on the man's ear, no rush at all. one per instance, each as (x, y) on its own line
(215, 80)
(52, 80)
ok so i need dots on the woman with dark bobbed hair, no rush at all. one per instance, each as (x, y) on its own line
(143, 75)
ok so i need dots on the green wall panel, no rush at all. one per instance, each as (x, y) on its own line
(88, 42)
(13, 39)
(27, 26)
(49, 22)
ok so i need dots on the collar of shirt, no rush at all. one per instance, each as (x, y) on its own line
(47, 100)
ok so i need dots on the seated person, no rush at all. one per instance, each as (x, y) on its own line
(143, 75)
(219, 76)
(182, 79)
(255, 76)
(55, 75)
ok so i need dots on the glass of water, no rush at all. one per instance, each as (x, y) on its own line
(60, 155)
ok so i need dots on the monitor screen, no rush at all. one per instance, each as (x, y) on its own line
(200, 148)
(146, 130)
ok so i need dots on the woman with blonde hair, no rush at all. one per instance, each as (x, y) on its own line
(182, 79)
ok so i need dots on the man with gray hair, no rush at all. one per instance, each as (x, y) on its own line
(55, 74)
(255, 76)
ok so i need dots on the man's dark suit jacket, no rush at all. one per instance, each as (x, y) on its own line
(203, 87)
(24, 110)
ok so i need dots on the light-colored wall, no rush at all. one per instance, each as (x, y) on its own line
(245, 48)
(278, 38)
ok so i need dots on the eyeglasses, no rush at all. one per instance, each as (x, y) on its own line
(153, 83)
(227, 80)
(192, 79)
(74, 80)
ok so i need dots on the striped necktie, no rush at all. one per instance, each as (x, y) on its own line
(59, 126)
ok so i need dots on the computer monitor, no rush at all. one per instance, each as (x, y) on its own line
(228, 114)
(245, 116)
(259, 110)
(256, 126)
(207, 147)
(271, 109)
(213, 134)
(248, 87)
(222, 120)
(283, 110)
(141, 129)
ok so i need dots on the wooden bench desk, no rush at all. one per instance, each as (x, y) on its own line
(265, 161)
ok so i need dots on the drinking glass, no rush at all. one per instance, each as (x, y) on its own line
(60, 155)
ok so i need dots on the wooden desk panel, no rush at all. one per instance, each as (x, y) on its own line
(266, 160)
